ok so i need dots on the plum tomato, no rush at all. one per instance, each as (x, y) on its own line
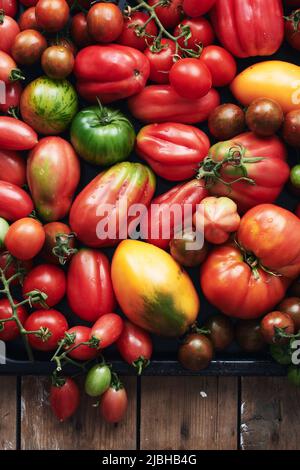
(83, 352)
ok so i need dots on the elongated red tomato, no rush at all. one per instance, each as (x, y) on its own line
(249, 28)
(16, 135)
(15, 203)
(113, 404)
(13, 93)
(82, 352)
(172, 150)
(135, 346)
(8, 69)
(25, 238)
(161, 103)
(10, 329)
(64, 399)
(12, 167)
(107, 329)
(9, 29)
(89, 272)
(169, 211)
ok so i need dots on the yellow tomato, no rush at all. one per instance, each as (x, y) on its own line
(274, 79)
(153, 290)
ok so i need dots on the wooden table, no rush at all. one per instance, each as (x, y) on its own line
(164, 413)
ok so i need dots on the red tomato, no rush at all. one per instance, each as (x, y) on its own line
(105, 22)
(59, 239)
(298, 211)
(221, 64)
(130, 35)
(292, 30)
(15, 203)
(8, 31)
(191, 78)
(9, 7)
(28, 20)
(107, 329)
(52, 15)
(8, 69)
(13, 93)
(79, 30)
(16, 135)
(135, 346)
(28, 47)
(83, 352)
(113, 404)
(64, 399)
(48, 279)
(12, 167)
(10, 330)
(197, 8)
(161, 62)
(89, 272)
(52, 321)
(275, 320)
(25, 238)
(14, 266)
(169, 14)
(202, 33)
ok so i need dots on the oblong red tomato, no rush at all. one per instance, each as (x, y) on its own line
(64, 399)
(100, 214)
(15, 203)
(16, 135)
(83, 352)
(12, 167)
(107, 329)
(13, 93)
(8, 69)
(110, 72)
(53, 173)
(89, 272)
(172, 150)
(161, 220)
(238, 288)
(161, 103)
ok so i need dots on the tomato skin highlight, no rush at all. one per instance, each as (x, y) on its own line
(48, 279)
(12, 97)
(113, 405)
(107, 329)
(16, 135)
(10, 330)
(135, 344)
(25, 238)
(12, 167)
(64, 400)
(52, 320)
(15, 203)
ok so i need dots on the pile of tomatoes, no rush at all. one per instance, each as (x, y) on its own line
(103, 106)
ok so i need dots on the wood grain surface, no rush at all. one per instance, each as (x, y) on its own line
(8, 413)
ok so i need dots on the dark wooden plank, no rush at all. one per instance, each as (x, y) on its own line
(189, 413)
(86, 430)
(8, 413)
(270, 414)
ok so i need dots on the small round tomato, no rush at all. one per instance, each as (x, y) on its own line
(221, 64)
(59, 243)
(9, 7)
(52, 15)
(292, 29)
(291, 306)
(190, 78)
(28, 20)
(226, 121)
(196, 352)
(57, 62)
(4, 226)
(82, 352)
(169, 14)
(248, 335)
(135, 346)
(10, 329)
(221, 331)
(107, 329)
(264, 117)
(161, 60)
(54, 326)
(132, 35)
(291, 128)
(201, 32)
(295, 177)
(97, 380)
(64, 399)
(113, 404)
(13, 93)
(180, 249)
(25, 238)
(79, 30)
(273, 322)
(9, 29)
(48, 279)
(105, 22)
(28, 47)
(197, 8)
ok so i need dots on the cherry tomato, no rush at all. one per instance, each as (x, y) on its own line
(131, 35)
(28, 20)
(291, 128)
(8, 69)
(13, 93)
(196, 352)
(105, 22)
(292, 29)
(190, 78)
(79, 30)
(54, 324)
(182, 252)
(221, 64)
(221, 331)
(113, 404)
(161, 61)
(291, 306)
(52, 15)
(57, 62)
(202, 33)
(59, 243)
(107, 329)
(135, 346)
(264, 117)
(9, 29)
(97, 380)
(64, 399)
(295, 177)
(197, 8)
(83, 352)
(226, 121)
(15, 266)
(10, 329)
(276, 320)
(48, 279)
(169, 14)
(25, 238)
(10, 7)
(248, 335)
(28, 47)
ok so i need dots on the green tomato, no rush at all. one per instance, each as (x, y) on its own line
(295, 176)
(4, 226)
(294, 375)
(49, 105)
(102, 136)
(97, 380)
